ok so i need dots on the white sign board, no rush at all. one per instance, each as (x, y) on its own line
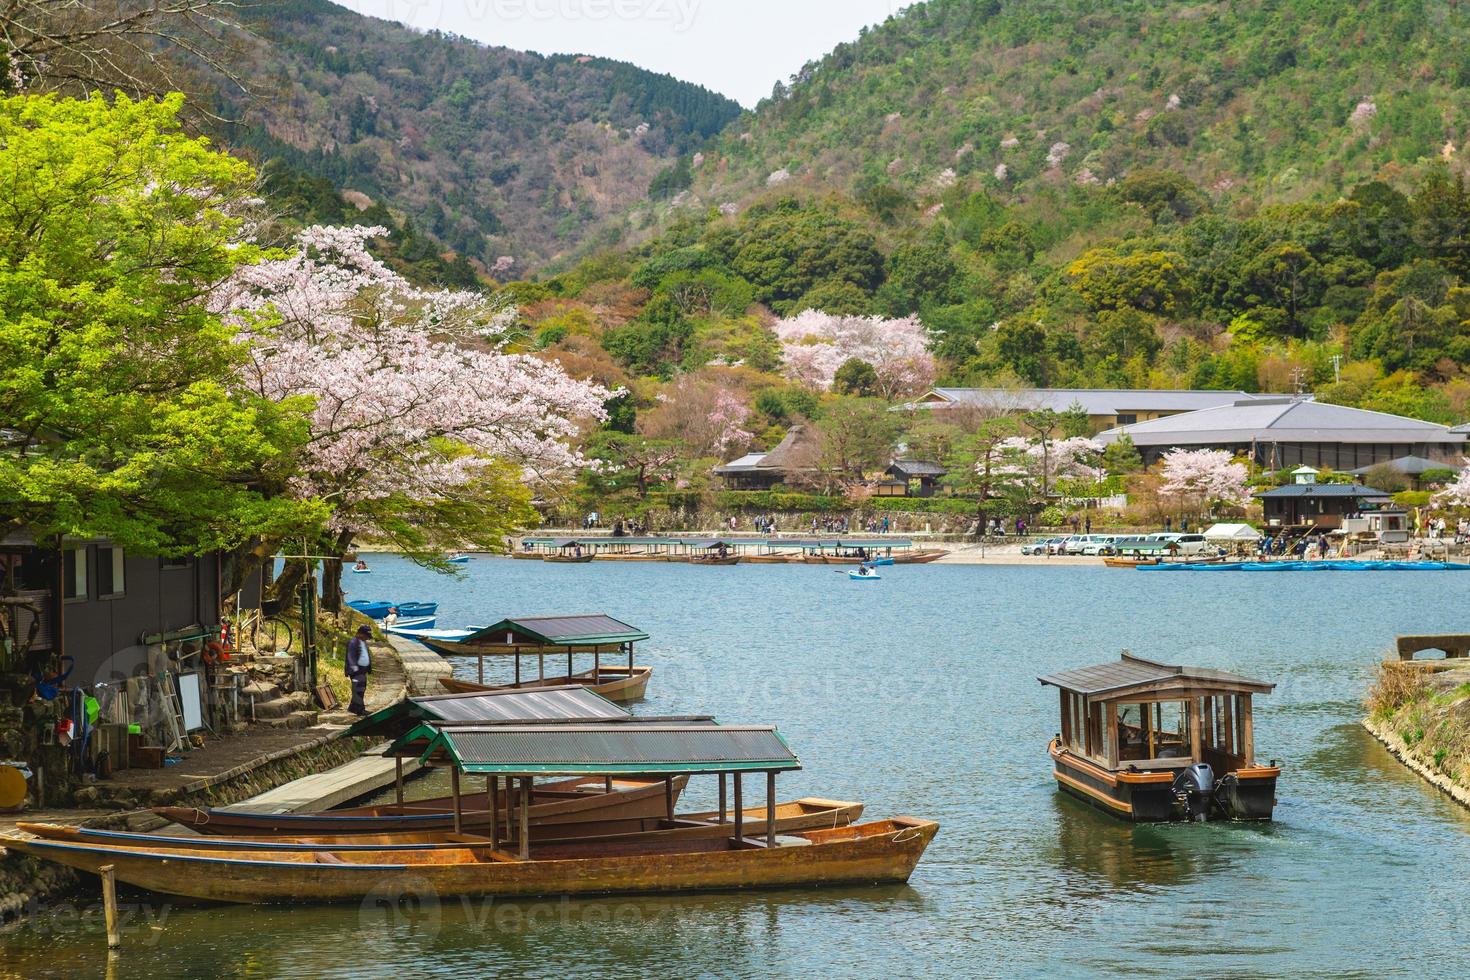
(191, 700)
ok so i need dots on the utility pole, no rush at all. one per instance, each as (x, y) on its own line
(1337, 368)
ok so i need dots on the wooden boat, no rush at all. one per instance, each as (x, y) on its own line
(619, 684)
(771, 559)
(871, 853)
(570, 559)
(1116, 562)
(1147, 741)
(918, 557)
(528, 556)
(728, 560)
(573, 801)
(792, 817)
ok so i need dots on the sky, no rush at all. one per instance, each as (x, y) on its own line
(740, 48)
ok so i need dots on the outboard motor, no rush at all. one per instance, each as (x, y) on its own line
(1193, 790)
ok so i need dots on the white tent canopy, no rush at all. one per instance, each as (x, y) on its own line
(1226, 533)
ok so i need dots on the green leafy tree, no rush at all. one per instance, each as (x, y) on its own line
(856, 377)
(857, 436)
(118, 394)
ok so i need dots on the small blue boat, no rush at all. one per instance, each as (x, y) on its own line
(880, 561)
(459, 560)
(372, 610)
(414, 624)
(416, 610)
(428, 633)
(864, 577)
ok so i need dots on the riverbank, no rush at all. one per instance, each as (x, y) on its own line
(1423, 719)
(229, 771)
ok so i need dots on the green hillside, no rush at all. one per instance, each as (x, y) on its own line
(1262, 100)
(493, 152)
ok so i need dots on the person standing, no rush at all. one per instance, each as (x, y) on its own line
(359, 665)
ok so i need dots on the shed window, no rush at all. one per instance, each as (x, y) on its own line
(74, 573)
(110, 578)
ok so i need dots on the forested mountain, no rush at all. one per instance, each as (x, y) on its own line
(1262, 100)
(493, 152)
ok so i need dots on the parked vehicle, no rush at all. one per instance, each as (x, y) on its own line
(1184, 544)
(1101, 544)
(1046, 546)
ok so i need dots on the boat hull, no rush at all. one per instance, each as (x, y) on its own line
(561, 804)
(798, 815)
(624, 686)
(570, 559)
(1148, 797)
(874, 853)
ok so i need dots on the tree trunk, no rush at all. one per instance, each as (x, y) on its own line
(332, 574)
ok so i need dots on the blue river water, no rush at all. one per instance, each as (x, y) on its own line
(918, 695)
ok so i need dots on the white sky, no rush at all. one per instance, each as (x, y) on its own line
(738, 47)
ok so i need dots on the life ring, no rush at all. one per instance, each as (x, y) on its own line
(214, 652)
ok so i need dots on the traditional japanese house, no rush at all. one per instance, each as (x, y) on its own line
(1148, 741)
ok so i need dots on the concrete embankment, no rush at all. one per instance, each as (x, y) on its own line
(1423, 719)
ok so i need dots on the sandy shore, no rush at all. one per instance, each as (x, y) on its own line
(974, 554)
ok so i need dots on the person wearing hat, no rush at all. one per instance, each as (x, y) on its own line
(359, 665)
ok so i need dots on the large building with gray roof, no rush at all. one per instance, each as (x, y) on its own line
(1105, 407)
(1283, 431)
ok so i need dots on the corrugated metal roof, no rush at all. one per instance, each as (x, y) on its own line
(1131, 672)
(626, 748)
(1282, 419)
(551, 704)
(595, 629)
(1095, 401)
(1323, 490)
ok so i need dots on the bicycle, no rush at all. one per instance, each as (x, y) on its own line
(268, 633)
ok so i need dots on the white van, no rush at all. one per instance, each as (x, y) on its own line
(1184, 544)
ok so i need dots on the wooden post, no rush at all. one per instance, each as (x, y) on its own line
(398, 779)
(109, 905)
(494, 784)
(1110, 737)
(1247, 732)
(518, 670)
(1148, 722)
(569, 661)
(541, 666)
(739, 810)
(771, 808)
(454, 788)
(525, 818)
(481, 659)
(630, 658)
(669, 798)
(723, 806)
(1196, 732)
(597, 665)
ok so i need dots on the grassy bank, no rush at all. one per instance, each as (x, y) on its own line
(1425, 718)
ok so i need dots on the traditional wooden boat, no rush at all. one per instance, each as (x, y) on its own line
(727, 560)
(585, 799)
(1147, 741)
(918, 557)
(552, 636)
(871, 853)
(620, 684)
(571, 559)
(1117, 562)
(528, 556)
(792, 817)
(776, 559)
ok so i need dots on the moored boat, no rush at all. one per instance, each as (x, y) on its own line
(1147, 741)
(620, 684)
(870, 853)
(792, 817)
(570, 559)
(581, 800)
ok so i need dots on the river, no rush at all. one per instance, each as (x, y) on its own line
(918, 695)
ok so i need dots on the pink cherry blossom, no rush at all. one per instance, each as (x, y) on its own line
(1205, 477)
(413, 393)
(1456, 494)
(815, 344)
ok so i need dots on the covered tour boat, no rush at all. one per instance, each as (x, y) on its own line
(1147, 741)
(549, 637)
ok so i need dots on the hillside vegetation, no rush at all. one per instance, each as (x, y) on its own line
(1265, 100)
(490, 151)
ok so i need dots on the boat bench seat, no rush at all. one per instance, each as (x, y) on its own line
(322, 857)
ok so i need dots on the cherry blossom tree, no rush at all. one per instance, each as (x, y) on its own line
(815, 344)
(703, 414)
(1204, 479)
(1456, 494)
(422, 428)
(1038, 462)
